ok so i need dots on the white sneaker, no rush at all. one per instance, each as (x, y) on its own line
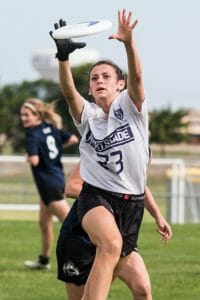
(37, 264)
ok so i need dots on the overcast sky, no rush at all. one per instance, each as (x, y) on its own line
(167, 37)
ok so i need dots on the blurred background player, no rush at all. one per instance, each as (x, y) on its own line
(44, 142)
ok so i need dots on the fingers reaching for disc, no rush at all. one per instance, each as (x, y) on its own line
(56, 26)
(79, 45)
(62, 23)
(124, 33)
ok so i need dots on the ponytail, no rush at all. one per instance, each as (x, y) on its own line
(46, 111)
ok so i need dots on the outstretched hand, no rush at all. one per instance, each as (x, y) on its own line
(65, 46)
(125, 27)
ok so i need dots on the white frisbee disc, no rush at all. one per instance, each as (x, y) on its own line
(81, 29)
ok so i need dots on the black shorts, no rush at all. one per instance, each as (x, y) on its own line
(127, 210)
(75, 252)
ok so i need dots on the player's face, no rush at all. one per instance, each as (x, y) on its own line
(104, 85)
(28, 118)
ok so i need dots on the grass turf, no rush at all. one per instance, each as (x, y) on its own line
(174, 268)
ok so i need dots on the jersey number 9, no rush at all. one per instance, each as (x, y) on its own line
(51, 144)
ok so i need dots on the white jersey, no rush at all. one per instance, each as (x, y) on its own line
(114, 148)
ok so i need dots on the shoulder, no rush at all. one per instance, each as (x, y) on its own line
(47, 129)
(31, 132)
(38, 131)
(90, 108)
(126, 103)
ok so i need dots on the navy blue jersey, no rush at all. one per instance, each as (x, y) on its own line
(46, 141)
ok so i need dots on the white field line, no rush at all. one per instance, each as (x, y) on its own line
(19, 207)
(22, 158)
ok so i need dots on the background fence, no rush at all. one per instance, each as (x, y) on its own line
(175, 184)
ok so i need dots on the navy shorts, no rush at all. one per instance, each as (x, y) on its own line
(127, 210)
(51, 193)
(50, 186)
(75, 252)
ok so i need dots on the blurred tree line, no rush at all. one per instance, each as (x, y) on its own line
(166, 127)
(13, 96)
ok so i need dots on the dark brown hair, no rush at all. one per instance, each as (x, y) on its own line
(119, 72)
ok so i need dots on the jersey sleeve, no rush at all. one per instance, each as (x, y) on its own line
(127, 103)
(89, 110)
(128, 106)
(31, 144)
(65, 136)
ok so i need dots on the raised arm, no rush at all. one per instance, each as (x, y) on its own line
(125, 35)
(72, 96)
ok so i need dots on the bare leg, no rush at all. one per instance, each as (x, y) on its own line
(131, 269)
(59, 209)
(46, 228)
(74, 292)
(99, 223)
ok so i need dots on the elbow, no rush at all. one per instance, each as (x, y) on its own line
(73, 140)
(71, 191)
(33, 161)
(67, 191)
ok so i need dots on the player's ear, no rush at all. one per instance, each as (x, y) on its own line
(120, 85)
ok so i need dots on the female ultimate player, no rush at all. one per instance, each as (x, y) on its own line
(44, 142)
(76, 253)
(114, 156)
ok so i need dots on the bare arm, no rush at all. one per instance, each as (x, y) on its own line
(74, 183)
(134, 80)
(73, 140)
(125, 35)
(33, 160)
(64, 48)
(72, 96)
(164, 228)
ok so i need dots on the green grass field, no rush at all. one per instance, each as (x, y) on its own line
(174, 268)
